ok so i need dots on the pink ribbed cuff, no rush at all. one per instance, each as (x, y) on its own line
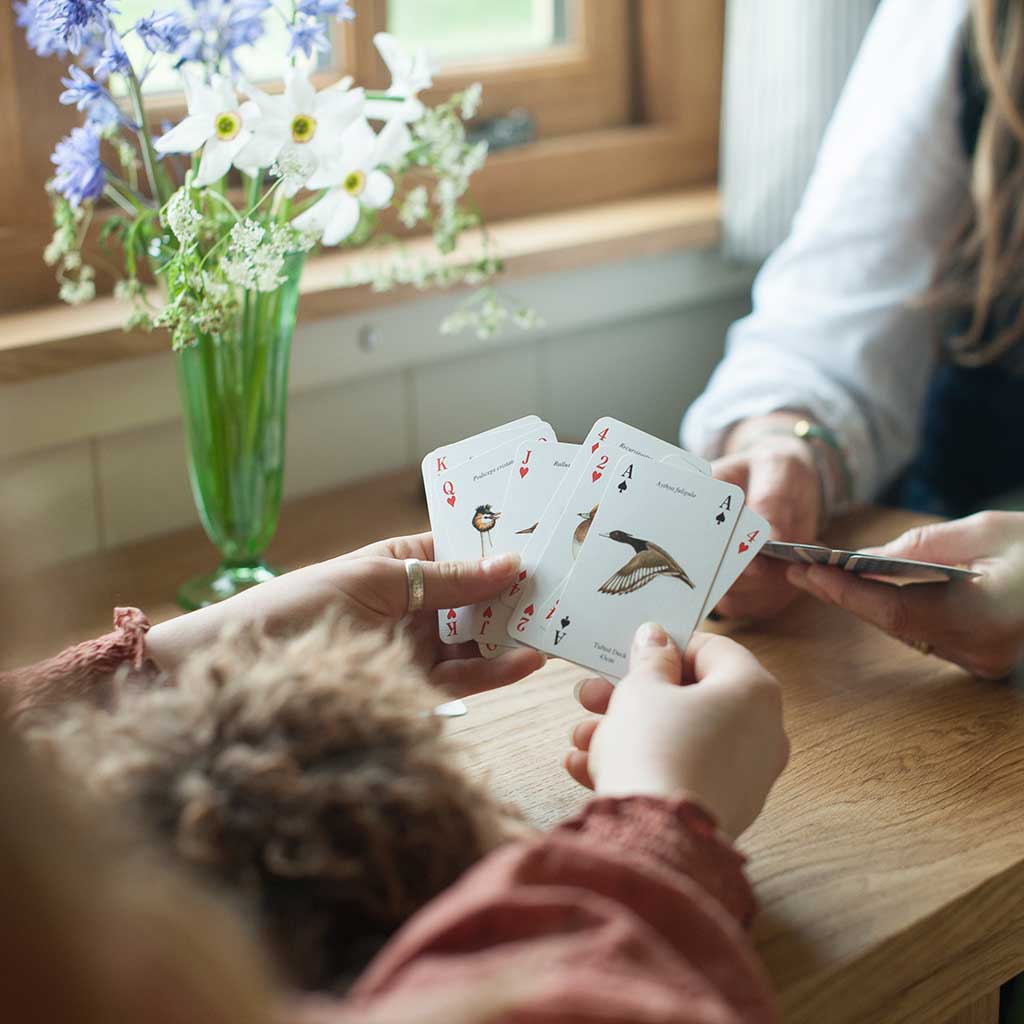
(82, 672)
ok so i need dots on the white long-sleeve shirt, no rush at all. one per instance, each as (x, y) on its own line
(834, 329)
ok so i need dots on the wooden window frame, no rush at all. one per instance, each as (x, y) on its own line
(613, 121)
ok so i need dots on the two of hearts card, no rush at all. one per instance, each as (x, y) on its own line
(619, 530)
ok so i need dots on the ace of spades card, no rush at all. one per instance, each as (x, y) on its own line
(653, 552)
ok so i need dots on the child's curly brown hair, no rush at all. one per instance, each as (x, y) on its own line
(304, 775)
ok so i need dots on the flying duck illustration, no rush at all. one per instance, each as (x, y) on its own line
(649, 562)
(484, 520)
(579, 535)
(529, 529)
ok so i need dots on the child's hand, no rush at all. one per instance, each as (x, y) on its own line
(720, 741)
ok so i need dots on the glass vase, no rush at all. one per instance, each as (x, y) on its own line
(234, 395)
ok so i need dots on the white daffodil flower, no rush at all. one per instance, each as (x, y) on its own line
(216, 122)
(411, 73)
(299, 129)
(358, 180)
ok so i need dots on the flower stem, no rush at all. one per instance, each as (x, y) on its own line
(149, 159)
(127, 203)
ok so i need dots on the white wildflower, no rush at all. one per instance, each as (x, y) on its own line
(53, 251)
(76, 292)
(471, 101)
(474, 159)
(294, 166)
(182, 218)
(414, 207)
(246, 235)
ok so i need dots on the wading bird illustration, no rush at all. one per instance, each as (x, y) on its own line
(648, 562)
(579, 535)
(484, 520)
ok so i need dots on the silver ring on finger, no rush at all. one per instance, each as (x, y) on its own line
(414, 577)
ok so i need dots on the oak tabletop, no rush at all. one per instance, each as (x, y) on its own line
(889, 862)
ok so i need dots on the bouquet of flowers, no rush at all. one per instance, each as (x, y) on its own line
(222, 208)
(218, 201)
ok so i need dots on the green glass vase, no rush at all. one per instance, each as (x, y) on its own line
(234, 395)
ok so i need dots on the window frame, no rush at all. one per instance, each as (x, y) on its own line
(645, 122)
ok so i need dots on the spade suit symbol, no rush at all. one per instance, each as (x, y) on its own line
(565, 622)
(720, 518)
(622, 487)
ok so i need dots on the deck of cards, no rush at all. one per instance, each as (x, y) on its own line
(620, 530)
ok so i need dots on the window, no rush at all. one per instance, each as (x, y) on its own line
(621, 98)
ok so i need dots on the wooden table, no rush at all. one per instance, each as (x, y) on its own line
(890, 860)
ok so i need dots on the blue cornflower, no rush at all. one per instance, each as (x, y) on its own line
(339, 9)
(75, 20)
(308, 36)
(163, 32)
(81, 91)
(36, 18)
(80, 174)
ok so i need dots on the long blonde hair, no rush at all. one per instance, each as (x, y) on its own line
(979, 281)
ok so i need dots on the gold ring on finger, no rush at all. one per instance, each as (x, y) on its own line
(414, 577)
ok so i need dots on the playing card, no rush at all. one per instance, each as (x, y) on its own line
(438, 462)
(803, 554)
(465, 500)
(566, 522)
(899, 571)
(653, 552)
(748, 537)
(535, 473)
(489, 651)
(904, 570)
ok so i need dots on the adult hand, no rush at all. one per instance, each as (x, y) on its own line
(977, 624)
(370, 586)
(778, 476)
(720, 742)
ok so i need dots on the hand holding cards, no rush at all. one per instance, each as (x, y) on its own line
(622, 529)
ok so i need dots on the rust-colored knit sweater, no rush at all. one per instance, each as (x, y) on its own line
(634, 911)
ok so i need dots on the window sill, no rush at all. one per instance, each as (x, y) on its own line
(57, 339)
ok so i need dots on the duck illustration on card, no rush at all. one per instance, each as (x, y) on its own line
(652, 554)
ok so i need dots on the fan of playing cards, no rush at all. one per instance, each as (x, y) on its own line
(620, 530)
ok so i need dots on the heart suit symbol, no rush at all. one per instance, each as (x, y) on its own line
(451, 501)
(451, 613)
(523, 470)
(595, 476)
(744, 546)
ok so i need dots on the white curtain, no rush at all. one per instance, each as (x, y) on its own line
(785, 64)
